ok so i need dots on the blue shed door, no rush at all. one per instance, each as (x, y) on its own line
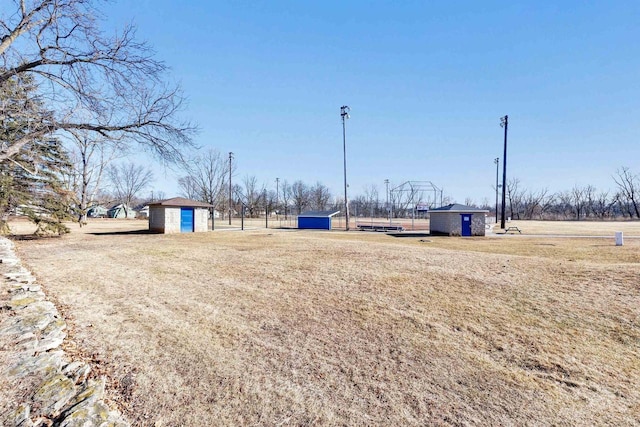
(186, 220)
(466, 224)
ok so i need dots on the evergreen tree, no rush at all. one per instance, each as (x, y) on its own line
(30, 181)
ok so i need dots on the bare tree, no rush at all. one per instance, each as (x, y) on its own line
(515, 195)
(629, 185)
(546, 203)
(87, 81)
(536, 203)
(601, 205)
(206, 179)
(252, 194)
(300, 195)
(319, 196)
(446, 200)
(485, 205)
(469, 201)
(270, 201)
(188, 187)
(90, 159)
(285, 194)
(238, 200)
(158, 195)
(358, 206)
(564, 206)
(590, 195)
(372, 198)
(579, 201)
(405, 197)
(128, 180)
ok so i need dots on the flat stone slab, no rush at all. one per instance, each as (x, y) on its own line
(54, 394)
(31, 338)
(29, 364)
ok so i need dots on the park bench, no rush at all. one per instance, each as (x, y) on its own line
(379, 227)
(514, 229)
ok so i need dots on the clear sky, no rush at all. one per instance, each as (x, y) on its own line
(427, 82)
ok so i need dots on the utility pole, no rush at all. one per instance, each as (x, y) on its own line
(344, 113)
(386, 182)
(504, 122)
(497, 162)
(230, 187)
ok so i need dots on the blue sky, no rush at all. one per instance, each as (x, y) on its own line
(426, 82)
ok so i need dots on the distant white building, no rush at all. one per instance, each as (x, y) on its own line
(121, 211)
(144, 212)
(97, 212)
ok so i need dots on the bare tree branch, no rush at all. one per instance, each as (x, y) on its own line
(110, 86)
(128, 180)
(629, 186)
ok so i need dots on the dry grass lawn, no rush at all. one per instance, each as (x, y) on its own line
(576, 228)
(275, 327)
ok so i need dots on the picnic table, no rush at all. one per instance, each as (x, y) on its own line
(514, 229)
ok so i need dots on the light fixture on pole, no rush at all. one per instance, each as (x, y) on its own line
(344, 113)
(504, 122)
(497, 162)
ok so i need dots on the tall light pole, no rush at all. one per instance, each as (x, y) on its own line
(230, 193)
(344, 113)
(277, 196)
(497, 162)
(504, 122)
(386, 182)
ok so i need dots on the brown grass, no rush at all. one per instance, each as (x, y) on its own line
(272, 327)
(576, 228)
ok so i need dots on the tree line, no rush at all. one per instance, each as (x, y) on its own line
(579, 202)
(88, 173)
(207, 180)
(75, 102)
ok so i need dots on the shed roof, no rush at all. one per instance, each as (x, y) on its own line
(181, 202)
(319, 214)
(456, 207)
(119, 206)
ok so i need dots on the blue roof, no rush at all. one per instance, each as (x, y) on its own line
(319, 214)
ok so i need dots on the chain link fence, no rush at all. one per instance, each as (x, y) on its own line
(362, 215)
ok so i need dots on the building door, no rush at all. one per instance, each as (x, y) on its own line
(466, 224)
(186, 220)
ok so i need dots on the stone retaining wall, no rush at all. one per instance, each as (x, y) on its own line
(47, 388)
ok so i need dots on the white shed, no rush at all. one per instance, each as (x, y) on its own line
(179, 215)
(457, 220)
